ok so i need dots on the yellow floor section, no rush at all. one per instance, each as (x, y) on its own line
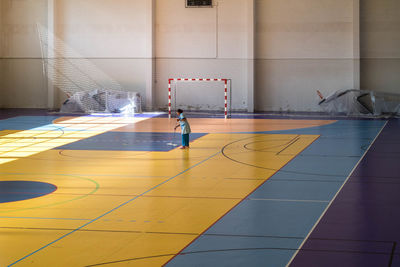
(141, 208)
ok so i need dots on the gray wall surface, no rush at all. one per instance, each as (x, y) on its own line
(380, 45)
(22, 82)
(277, 53)
(301, 47)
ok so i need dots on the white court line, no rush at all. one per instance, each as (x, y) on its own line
(333, 199)
(289, 200)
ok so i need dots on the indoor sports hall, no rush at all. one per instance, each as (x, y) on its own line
(200, 133)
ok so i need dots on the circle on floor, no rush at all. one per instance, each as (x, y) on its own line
(11, 191)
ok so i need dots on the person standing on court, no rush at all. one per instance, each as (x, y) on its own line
(185, 128)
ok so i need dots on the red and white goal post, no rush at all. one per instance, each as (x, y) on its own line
(171, 80)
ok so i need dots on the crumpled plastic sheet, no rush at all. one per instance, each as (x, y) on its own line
(362, 103)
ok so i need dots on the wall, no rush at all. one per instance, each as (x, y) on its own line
(277, 53)
(202, 43)
(22, 83)
(380, 45)
(2, 15)
(102, 31)
(302, 46)
(1, 53)
(108, 34)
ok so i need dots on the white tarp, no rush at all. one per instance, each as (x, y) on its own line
(361, 103)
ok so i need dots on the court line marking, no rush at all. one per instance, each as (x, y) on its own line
(393, 253)
(245, 249)
(110, 211)
(241, 201)
(334, 198)
(195, 234)
(289, 200)
(280, 170)
(97, 186)
(306, 180)
(83, 175)
(43, 218)
(294, 140)
(43, 141)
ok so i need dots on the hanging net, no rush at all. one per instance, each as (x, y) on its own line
(87, 87)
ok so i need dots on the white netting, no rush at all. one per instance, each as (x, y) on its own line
(89, 89)
(103, 101)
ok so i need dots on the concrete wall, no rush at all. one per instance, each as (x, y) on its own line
(102, 31)
(202, 43)
(302, 46)
(1, 52)
(277, 53)
(1, 30)
(103, 28)
(111, 34)
(22, 82)
(380, 45)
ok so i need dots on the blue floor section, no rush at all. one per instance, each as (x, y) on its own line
(11, 191)
(45, 123)
(126, 141)
(298, 190)
(267, 228)
(37, 123)
(22, 123)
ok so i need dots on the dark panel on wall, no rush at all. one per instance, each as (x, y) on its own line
(198, 3)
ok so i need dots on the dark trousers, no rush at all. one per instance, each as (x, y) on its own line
(185, 139)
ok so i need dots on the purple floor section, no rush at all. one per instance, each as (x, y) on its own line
(362, 226)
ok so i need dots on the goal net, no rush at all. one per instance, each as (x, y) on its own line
(210, 95)
(87, 87)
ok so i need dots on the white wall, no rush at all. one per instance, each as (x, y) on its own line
(380, 45)
(202, 43)
(22, 83)
(293, 48)
(1, 53)
(302, 46)
(112, 34)
(19, 26)
(103, 28)
(185, 32)
(1, 31)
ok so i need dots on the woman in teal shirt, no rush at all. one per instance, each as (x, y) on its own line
(185, 128)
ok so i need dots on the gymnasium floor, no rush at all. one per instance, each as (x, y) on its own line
(251, 191)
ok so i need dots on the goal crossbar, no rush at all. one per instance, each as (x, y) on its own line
(225, 81)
